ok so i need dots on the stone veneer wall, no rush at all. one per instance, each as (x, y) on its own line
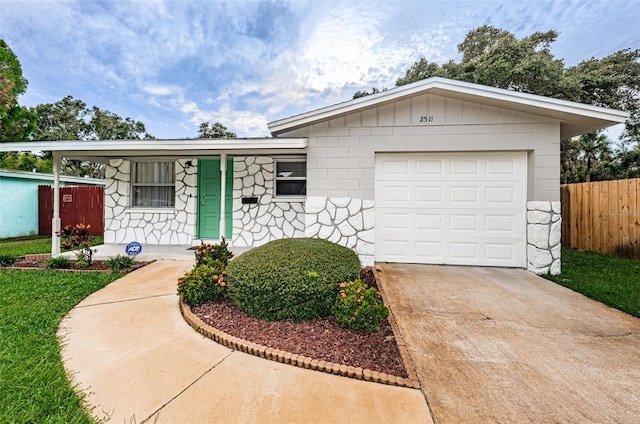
(269, 219)
(348, 222)
(544, 228)
(124, 224)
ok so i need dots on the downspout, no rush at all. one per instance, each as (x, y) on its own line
(223, 189)
(55, 221)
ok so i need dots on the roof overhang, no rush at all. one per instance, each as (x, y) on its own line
(575, 118)
(102, 150)
(6, 173)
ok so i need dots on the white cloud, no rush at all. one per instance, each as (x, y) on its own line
(242, 63)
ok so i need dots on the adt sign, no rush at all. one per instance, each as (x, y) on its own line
(133, 248)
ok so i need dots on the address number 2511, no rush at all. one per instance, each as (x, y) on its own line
(426, 118)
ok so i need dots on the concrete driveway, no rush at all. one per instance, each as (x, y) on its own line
(506, 346)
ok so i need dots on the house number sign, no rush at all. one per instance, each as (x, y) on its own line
(425, 119)
(67, 198)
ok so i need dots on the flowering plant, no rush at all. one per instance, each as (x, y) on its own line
(206, 254)
(203, 284)
(359, 306)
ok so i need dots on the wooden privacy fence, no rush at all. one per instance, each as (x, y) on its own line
(78, 205)
(602, 217)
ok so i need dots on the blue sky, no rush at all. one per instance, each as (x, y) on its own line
(174, 64)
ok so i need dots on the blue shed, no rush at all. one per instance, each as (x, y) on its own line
(19, 199)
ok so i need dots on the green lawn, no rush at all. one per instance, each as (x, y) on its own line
(611, 280)
(33, 384)
(31, 245)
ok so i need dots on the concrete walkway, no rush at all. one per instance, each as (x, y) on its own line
(496, 345)
(128, 348)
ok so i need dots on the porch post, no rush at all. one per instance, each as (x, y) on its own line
(223, 190)
(55, 221)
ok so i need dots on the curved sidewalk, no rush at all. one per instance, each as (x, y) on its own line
(129, 349)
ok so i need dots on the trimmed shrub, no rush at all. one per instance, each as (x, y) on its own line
(296, 279)
(359, 306)
(207, 254)
(203, 284)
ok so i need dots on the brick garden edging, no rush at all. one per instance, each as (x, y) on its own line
(294, 359)
(46, 256)
(402, 347)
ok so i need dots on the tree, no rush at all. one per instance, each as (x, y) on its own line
(364, 93)
(495, 57)
(105, 125)
(217, 130)
(569, 160)
(25, 161)
(595, 153)
(71, 119)
(16, 123)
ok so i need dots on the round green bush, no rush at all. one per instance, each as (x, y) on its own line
(296, 279)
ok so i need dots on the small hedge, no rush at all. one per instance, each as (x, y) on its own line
(359, 306)
(296, 279)
(202, 284)
(207, 280)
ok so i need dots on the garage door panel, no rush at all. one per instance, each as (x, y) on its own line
(501, 167)
(463, 250)
(429, 167)
(396, 221)
(465, 209)
(429, 221)
(428, 250)
(500, 195)
(465, 167)
(463, 222)
(425, 194)
(500, 223)
(394, 168)
(500, 251)
(463, 194)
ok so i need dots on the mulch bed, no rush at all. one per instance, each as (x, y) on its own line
(96, 266)
(321, 339)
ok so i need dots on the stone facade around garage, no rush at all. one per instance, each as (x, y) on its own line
(169, 226)
(345, 221)
(270, 218)
(544, 229)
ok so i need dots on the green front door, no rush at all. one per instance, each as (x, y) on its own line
(209, 189)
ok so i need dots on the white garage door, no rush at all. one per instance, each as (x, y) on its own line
(453, 208)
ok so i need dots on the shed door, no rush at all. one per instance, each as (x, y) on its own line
(451, 208)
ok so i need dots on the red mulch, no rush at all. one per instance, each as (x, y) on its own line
(321, 339)
(96, 265)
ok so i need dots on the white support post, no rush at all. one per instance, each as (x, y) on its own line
(223, 190)
(55, 221)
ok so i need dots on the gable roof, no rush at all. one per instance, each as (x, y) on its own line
(575, 118)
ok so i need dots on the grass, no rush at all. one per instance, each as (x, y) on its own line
(33, 384)
(611, 280)
(32, 245)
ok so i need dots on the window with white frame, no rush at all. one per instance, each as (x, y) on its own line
(291, 177)
(153, 184)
